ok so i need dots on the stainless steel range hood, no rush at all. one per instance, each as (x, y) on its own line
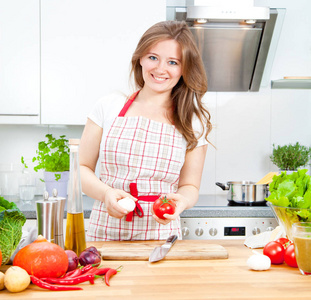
(234, 42)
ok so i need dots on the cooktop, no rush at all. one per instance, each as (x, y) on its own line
(221, 201)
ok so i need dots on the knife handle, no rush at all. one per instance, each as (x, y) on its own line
(171, 239)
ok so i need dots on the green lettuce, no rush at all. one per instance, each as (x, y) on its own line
(11, 223)
(292, 191)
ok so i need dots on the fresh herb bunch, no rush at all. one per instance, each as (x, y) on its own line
(290, 157)
(53, 155)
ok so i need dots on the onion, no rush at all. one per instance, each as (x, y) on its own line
(127, 203)
(73, 260)
(259, 262)
(90, 256)
(92, 249)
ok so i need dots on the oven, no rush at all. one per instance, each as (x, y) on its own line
(214, 217)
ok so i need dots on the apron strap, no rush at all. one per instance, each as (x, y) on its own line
(127, 105)
(138, 209)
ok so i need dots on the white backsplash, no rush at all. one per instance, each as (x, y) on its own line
(245, 127)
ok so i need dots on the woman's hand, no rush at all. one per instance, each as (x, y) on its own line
(111, 198)
(181, 205)
(189, 184)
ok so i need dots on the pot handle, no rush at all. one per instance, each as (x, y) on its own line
(221, 185)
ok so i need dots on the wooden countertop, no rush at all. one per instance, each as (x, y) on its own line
(187, 279)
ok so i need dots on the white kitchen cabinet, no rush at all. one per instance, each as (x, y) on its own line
(86, 50)
(19, 61)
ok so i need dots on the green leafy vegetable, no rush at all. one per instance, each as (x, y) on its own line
(293, 190)
(291, 197)
(11, 223)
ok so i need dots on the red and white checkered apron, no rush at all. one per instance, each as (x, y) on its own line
(142, 157)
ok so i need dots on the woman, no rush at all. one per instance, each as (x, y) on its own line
(153, 143)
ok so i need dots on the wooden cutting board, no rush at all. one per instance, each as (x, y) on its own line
(182, 249)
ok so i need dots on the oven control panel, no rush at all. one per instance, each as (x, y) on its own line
(225, 228)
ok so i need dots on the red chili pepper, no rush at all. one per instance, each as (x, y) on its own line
(68, 273)
(101, 271)
(87, 268)
(72, 280)
(109, 273)
(74, 273)
(95, 270)
(91, 271)
(52, 287)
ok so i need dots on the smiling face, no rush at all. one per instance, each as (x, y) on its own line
(161, 66)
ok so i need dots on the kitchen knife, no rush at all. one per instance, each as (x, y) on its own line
(159, 253)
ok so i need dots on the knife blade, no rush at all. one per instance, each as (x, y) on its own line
(159, 253)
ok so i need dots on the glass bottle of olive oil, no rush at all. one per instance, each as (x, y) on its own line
(75, 232)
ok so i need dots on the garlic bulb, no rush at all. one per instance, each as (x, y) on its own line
(127, 203)
(259, 262)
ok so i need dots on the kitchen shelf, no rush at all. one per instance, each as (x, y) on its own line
(291, 84)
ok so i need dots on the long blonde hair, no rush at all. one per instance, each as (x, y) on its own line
(193, 83)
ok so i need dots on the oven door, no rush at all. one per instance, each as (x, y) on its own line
(225, 228)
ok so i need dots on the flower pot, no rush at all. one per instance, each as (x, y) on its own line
(288, 172)
(60, 185)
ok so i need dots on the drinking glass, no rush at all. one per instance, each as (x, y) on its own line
(26, 186)
(302, 240)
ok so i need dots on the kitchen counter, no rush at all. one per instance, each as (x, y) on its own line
(208, 206)
(187, 279)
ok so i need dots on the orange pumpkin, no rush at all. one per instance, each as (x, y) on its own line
(42, 259)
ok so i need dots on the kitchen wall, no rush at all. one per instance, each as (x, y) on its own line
(245, 124)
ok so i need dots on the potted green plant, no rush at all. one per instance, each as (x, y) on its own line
(290, 157)
(53, 156)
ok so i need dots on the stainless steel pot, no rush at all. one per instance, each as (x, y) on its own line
(245, 191)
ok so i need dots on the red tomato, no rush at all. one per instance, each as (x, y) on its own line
(284, 241)
(289, 257)
(163, 206)
(275, 251)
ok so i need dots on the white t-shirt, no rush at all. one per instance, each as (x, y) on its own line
(108, 108)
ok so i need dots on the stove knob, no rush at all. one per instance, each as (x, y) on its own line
(213, 231)
(255, 230)
(270, 228)
(185, 232)
(199, 231)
